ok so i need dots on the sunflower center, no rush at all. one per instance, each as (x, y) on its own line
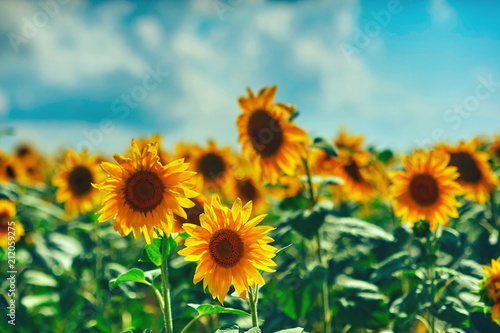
(247, 190)
(80, 180)
(265, 132)
(193, 214)
(144, 191)
(352, 170)
(424, 189)
(211, 166)
(10, 172)
(226, 248)
(497, 152)
(23, 151)
(467, 167)
(4, 221)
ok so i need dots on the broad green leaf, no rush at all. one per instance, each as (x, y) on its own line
(254, 330)
(37, 278)
(292, 330)
(206, 309)
(133, 275)
(152, 253)
(155, 253)
(325, 146)
(35, 301)
(308, 222)
(347, 226)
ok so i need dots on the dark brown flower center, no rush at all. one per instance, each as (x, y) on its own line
(493, 287)
(211, 166)
(80, 180)
(144, 191)
(23, 150)
(4, 220)
(11, 172)
(193, 214)
(247, 190)
(424, 190)
(467, 167)
(353, 171)
(226, 248)
(497, 152)
(265, 132)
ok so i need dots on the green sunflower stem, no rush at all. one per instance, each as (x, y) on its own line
(432, 274)
(253, 295)
(167, 306)
(493, 210)
(309, 182)
(325, 295)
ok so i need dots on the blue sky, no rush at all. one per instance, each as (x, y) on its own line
(404, 73)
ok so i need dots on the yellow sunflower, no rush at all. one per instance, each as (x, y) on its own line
(7, 212)
(347, 141)
(426, 189)
(143, 195)
(274, 144)
(353, 169)
(12, 170)
(162, 153)
(193, 214)
(286, 187)
(213, 166)
(74, 178)
(494, 148)
(492, 287)
(476, 175)
(320, 163)
(185, 150)
(229, 248)
(249, 189)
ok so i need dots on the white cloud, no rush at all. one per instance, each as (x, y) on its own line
(441, 11)
(149, 30)
(276, 21)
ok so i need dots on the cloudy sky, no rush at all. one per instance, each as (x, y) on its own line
(95, 74)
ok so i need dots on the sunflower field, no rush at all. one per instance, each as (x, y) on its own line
(286, 234)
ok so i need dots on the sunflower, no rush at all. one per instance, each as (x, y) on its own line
(229, 248)
(353, 169)
(476, 175)
(273, 143)
(162, 153)
(193, 214)
(33, 164)
(7, 212)
(286, 187)
(213, 167)
(74, 178)
(491, 285)
(12, 170)
(494, 147)
(143, 195)
(185, 150)
(320, 163)
(347, 141)
(426, 189)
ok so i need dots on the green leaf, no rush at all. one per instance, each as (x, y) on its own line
(230, 328)
(283, 249)
(325, 146)
(207, 309)
(292, 330)
(133, 275)
(453, 312)
(308, 222)
(155, 254)
(169, 245)
(37, 278)
(356, 228)
(254, 330)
